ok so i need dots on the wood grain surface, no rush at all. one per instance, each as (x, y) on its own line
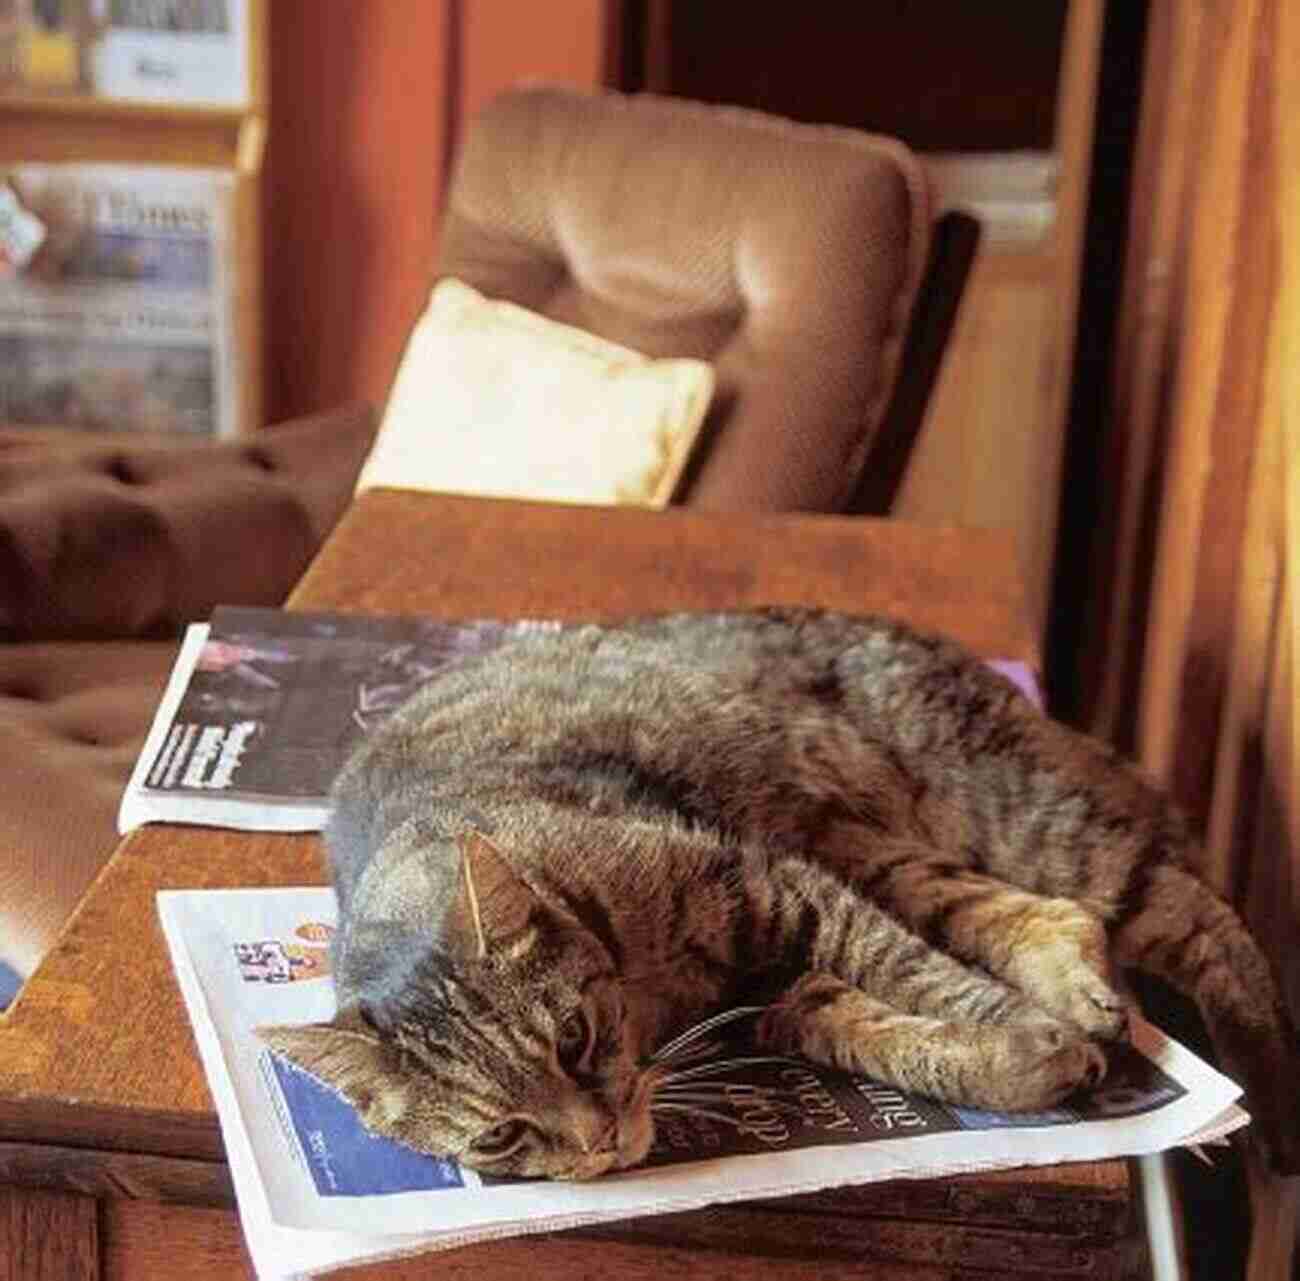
(48, 1236)
(144, 1241)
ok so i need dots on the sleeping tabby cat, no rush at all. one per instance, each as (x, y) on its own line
(555, 856)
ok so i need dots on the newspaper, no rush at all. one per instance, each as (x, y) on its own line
(316, 1191)
(1013, 194)
(173, 51)
(263, 707)
(125, 315)
(168, 51)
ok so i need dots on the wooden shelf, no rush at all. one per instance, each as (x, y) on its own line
(71, 103)
(964, 83)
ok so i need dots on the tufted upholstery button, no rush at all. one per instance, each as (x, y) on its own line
(118, 467)
(259, 458)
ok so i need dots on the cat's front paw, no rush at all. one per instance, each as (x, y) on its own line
(1095, 1008)
(1066, 970)
(1046, 1064)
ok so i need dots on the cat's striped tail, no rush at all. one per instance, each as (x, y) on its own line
(1176, 928)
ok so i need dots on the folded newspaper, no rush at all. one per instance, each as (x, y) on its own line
(316, 1191)
(264, 705)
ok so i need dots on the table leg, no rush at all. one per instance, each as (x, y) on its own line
(48, 1236)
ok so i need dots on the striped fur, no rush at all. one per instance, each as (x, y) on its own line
(556, 856)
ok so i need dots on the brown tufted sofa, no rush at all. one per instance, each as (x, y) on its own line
(790, 255)
(108, 546)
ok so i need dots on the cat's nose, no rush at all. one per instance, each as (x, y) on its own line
(593, 1127)
(607, 1142)
(596, 1141)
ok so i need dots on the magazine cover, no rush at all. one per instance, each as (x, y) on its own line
(264, 705)
(316, 1190)
(121, 316)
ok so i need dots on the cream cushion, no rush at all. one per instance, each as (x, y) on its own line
(491, 398)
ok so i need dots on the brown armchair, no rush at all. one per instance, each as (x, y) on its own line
(789, 255)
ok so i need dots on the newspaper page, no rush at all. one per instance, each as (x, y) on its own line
(174, 51)
(263, 707)
(124, 317)
(315, 1190)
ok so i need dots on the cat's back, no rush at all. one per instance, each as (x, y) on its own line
(670, 710)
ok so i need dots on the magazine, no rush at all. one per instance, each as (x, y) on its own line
(124, 315)
(316, 1191)
(263, 707)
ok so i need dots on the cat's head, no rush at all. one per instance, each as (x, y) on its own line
(507, 1047)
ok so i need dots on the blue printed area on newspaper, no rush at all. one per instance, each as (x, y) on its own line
(344, 1159)
(1133, 1085)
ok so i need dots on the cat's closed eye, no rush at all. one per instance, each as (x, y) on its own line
(502, 1139)
(575, 1043)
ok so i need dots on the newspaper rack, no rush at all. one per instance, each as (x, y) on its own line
(213, 125)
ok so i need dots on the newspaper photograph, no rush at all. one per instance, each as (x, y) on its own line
(123, 317)
(263, 707)
(316, 1190)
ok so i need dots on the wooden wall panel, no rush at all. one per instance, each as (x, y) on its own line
(503, 41)
(355, 154)
(51, 1235)
(1109, 662)
(366, 102)
(1204, 452)
(990, 452)
(1215, 413)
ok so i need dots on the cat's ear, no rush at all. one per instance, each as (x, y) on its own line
(349, 1058)
(491, 902)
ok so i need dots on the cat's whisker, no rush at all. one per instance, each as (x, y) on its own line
(709, 1089)
(690, 1110)
(718, 1066)
(703, 1028)
(723, 1099)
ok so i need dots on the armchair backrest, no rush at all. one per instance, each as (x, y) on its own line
(789, 255)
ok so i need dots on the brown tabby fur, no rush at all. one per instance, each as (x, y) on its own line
(556, 856)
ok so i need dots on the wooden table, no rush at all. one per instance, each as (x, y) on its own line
(110, 1156)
